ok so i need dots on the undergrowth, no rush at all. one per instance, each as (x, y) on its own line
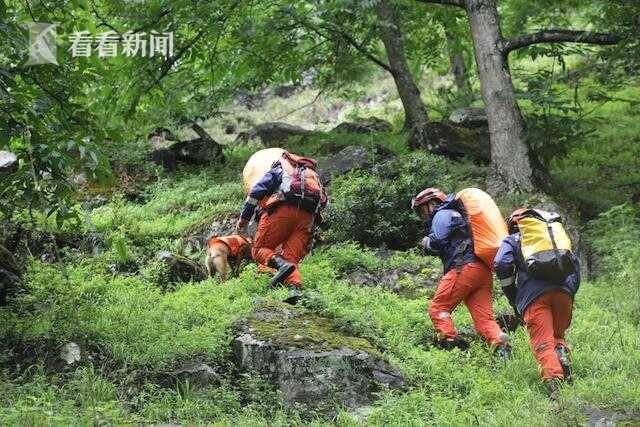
(133, 330)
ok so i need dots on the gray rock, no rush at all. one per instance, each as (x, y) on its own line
(78, 180)
(597, 417)
(309, 77)
(285, 91)
(364, 125)
(95, 201)
(229, 128)
(457, 141)
(192, 152)
(410, 283)
(198, 374)
(350, 158)
(311, 364)
(8, 162)
(272, 134)
(181, 269)
(471, 117)
(251, 100)
(70, 353)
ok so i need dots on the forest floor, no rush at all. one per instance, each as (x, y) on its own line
(102, 287)
(133, 327)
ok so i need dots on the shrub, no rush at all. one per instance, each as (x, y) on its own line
(373, 207)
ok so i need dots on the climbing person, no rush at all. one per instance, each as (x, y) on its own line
(539, 276)
(466, 277)
(291, 198)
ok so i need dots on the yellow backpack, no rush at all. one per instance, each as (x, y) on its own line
(546, 246)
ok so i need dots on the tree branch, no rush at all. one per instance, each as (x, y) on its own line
(559, 36)
(360, 48)
(347, 38)
(456, 3)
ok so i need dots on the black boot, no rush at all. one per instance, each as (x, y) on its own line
(451, 343)
(565, 361)
(284, 268)
(553, 388)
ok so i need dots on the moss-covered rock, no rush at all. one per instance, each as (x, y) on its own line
(313, 364)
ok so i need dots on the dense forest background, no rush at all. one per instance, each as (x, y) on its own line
(114, 168)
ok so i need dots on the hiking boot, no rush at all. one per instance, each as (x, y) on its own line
(284, 269)
(295, 295)
(451, 343)
(565, 361)
(503, 349)
(553, 388)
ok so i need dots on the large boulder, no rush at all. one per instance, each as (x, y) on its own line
(364, 125)
(180, 268)
(272, 134)
(456, 142)
(250, 100)
(8, 162)
(351, 158)
(197, 151)
(311, 363)
(470, 117)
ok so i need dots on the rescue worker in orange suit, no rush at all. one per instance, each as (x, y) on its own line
(466, 278)
(545, 307)
(286, 218)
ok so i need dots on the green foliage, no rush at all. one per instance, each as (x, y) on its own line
(613, 237)
(373, 208)
(142, 330)
(46, 123)
(601, 170)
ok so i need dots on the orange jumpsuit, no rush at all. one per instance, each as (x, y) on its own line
(289, 226)
(547, 318)
(473, 285)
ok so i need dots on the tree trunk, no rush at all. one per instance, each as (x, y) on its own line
(415, 112)
(510, 165)
(458, 66)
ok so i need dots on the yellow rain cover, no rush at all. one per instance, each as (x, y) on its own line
(535, 236)
(487, 225)
(257, 165)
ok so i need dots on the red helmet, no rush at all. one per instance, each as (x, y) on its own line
(425, 196)
(512, 221)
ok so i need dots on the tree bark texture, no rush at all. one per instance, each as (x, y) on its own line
(510, 166)
(458, 65)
